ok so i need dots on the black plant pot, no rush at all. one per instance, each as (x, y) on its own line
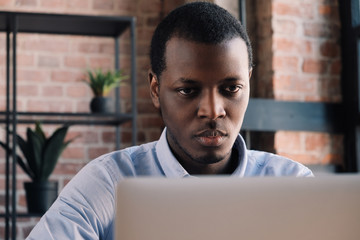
(100, 105)
(40, 196)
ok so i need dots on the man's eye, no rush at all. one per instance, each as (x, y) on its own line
(232, 88)
(186, 91)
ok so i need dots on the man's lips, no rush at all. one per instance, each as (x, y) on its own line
(210, 138)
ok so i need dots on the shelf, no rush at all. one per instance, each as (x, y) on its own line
(112, 119)
(98, 26)
(23, 215)
(106, 26)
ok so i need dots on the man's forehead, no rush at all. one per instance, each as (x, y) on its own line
(181, 50)
(177, 38)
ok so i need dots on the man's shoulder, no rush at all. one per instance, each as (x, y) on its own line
(269, 164)
(127, 162)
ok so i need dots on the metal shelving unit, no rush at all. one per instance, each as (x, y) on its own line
(13, 23)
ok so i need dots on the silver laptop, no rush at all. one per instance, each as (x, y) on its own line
(231, 208)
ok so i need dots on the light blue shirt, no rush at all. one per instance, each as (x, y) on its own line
(86, 206)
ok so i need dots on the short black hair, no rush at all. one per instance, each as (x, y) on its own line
(202, 22)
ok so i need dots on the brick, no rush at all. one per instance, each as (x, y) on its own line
(61, 106)
(52, 3)
(75, 62)
(336, 67)
(294, 85)
(150, 122)
(153, 135)
(2, 59)
(83, 106)
(36, 76)
(77, 91)
(316, 141)
(125, 91)
(95, 152)
(27, 3)
(5, 3)
(103, 4)
(52, 91)
(126, 137)
(73, 152)
(127, 6)
(284, 26)
(324, 10)
(145, 33)
(328, 11)
(290, 45)
(303, 158)
(152, 21)
(314, 66)
(47, 44)
(90, 137)
(104, 63)
(65, 76)
(36, 106)
(335, 159)
(81, 4)
(48, 61)
(108, 48)
(27, 90)
(330, 49)
(67, 168)
(25, 60)
(286, 64)
(146, 107)
(142, 49)
(321, 30)
(285, 45)
(286, 9)
(145, 7)
(87, 47)
(286, 140)
(330, 89)
(143, 92)
(108, 137)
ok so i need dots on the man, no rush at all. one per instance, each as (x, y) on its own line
(201, 63)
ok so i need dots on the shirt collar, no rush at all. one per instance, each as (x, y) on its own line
(168, 162)
(172, 168)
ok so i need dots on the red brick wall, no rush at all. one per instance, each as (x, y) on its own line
(298, 59)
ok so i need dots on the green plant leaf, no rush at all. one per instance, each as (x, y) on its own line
(52, 151)
(101, 83)
(40, 132)
(26, 150)
(19, 160)
(35, 146)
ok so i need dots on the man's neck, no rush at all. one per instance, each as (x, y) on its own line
(226, 166)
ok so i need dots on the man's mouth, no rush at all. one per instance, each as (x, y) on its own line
(210, 138)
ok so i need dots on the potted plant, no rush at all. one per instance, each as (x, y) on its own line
(101, 83)
(41, 154)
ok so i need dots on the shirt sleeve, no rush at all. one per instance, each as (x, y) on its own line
(78, 213)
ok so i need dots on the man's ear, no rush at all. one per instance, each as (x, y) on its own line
(154, 88)
(250, 72)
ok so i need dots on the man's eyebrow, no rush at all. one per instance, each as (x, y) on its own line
(232, 79)
(187, 80)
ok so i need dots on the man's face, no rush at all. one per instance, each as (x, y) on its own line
(202, 94)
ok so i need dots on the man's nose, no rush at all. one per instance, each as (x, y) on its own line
(211, 105)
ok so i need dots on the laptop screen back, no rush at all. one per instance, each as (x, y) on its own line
(234, 208)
